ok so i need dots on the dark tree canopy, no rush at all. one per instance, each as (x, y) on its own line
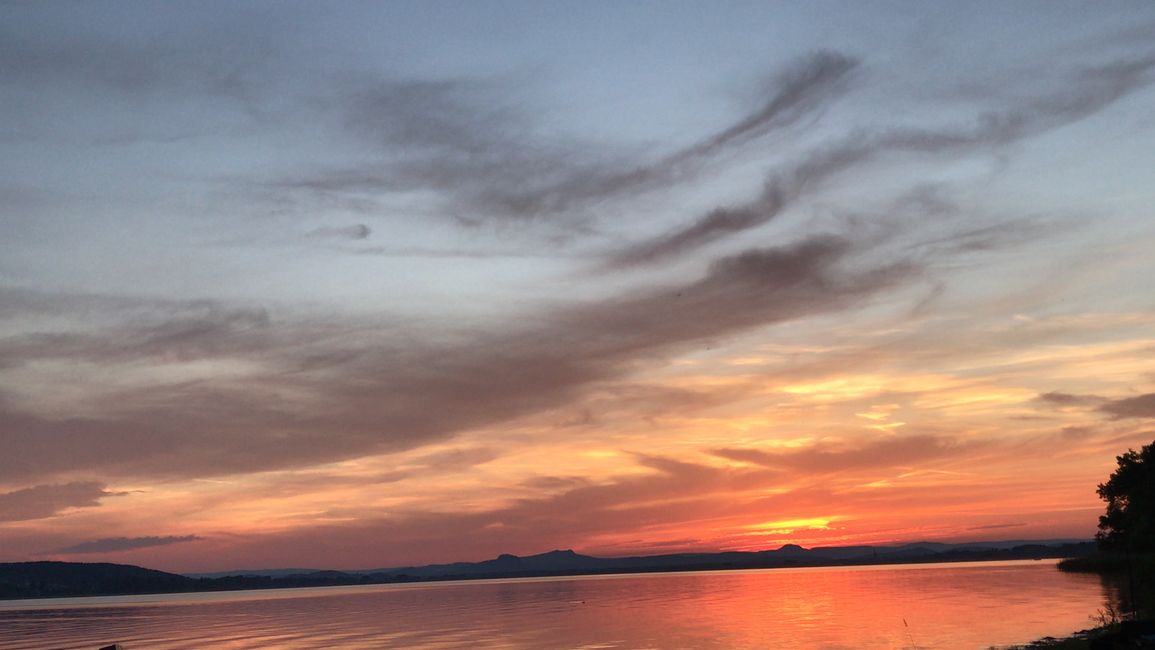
(1129, 522)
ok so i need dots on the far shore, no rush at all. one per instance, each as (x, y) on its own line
(33, 580)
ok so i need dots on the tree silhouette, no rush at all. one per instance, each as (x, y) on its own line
(1129, 523)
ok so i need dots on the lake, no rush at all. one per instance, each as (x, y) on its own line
(971, 605)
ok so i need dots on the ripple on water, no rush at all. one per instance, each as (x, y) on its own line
(939, 606)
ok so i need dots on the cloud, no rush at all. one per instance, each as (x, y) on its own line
(36, 60)
(117, 544)
(285, 392)
(1067, 399)
(673, 491)
(359, 390)
(162, 329)
(42, 501)
(479, 146)
(889, 452)
(1081, 93)
(667, 502)
(124, 82)
(713, 225)
(355, 232)
(756, 287)
(1077, 433)
(469, 142)
(996, 526)
(802, 89)
(1141, 406)
(20, 302)
(456, 459)
(799, 90)
(465, 139)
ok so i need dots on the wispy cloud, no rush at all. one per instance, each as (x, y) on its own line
(1141, 406)
(355, 232)
(195, 330)
(1082, 93)
(257, 270)
(670, 499)
(996, 526)
(1058, 398)
(888, 452)
(44, 501)
(462, 138)
(119, 544)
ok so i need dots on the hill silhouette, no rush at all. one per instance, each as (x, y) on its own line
(56, 579)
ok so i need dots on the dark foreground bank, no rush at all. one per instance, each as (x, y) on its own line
(1132, 627)
(1116, 636)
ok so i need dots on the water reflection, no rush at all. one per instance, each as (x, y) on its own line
(932, 606)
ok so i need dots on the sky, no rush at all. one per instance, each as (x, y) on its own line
(371, 284)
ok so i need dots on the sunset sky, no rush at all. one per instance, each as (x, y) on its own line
(368, 284)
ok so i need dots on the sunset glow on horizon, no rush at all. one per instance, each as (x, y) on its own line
(385, 284)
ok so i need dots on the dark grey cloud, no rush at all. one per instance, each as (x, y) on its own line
(379, 387)
(1141, 406)
(355, 232)
(1067, 399)
(996, 526)
(117, 544)
(41, 501)
(1081, 93)
(759, 286)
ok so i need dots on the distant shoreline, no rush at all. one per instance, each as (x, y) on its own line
(32, 580)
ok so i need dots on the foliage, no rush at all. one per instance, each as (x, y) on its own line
(1129, 523)
(1109, 617)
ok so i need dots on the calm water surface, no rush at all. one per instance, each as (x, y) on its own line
(973, 605)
